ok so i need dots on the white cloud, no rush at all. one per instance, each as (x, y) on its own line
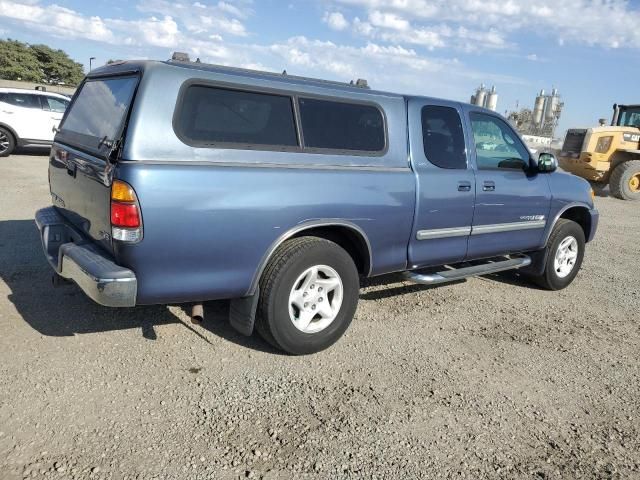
(605, 23)
(386, 67)
(57, 20)
(388, 20)
(335, 20)
(222, 18)
(216, 33)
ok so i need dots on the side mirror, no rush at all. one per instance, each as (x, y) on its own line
(547, 163)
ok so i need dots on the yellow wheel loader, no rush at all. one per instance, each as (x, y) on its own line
(607, 154)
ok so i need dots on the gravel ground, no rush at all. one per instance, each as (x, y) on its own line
(487, 378)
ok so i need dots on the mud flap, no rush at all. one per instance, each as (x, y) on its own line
(242, 313)
(538, 261)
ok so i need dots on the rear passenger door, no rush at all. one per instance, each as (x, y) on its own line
(445, 183)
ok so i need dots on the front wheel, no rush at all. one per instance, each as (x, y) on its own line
(308, 295)
(565, 252)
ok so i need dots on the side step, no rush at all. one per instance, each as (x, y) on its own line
(459, 273)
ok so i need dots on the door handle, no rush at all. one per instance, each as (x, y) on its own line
(464, 186)
(489, 186)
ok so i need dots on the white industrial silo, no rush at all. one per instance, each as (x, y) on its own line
(538, 108)
(492, 99)
(481, 96)
(552, 105)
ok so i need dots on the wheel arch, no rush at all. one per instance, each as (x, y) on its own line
(344, 233)
(16, 138)
(576, 212)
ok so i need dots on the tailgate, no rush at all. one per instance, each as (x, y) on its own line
(80, 166)
(81, 189)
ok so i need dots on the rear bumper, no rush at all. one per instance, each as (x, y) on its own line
(77, 258)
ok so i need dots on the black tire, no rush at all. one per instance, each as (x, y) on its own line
(7, 142)
(286, 265)
(620, 181)
(550, 279)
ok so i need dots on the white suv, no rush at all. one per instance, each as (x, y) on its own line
(27, 118)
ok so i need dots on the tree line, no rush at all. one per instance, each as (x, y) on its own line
(38, 63)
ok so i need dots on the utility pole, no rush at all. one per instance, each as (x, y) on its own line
(91, 62)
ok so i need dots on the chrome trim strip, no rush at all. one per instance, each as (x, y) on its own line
(479, 229)
(508, 227)
(329, 222)
(443, 233)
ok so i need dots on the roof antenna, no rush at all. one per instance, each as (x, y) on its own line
(284, 72)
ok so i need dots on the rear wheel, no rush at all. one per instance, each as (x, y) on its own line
(625, 180)
(565, 251)
(308, 295)
(7, 142)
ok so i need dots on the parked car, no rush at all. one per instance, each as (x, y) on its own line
(28, 118)
(180, 182)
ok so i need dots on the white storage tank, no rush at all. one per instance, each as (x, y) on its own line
(538, 108)
(481, 96)
(492, 99)
(552, 106)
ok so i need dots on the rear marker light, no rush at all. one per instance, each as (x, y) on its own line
(126, 222)
(122, 192)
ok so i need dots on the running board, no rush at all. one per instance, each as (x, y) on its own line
(454, 274)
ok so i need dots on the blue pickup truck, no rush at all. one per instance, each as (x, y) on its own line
(181, 182)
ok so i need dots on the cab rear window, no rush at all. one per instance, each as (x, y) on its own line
(98, 112)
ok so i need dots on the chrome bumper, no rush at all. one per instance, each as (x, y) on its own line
(76, 258)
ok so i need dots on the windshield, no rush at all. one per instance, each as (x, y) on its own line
(98, 112)
(629, 117)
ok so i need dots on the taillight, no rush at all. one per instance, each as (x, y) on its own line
(126, 222)
(123, 215)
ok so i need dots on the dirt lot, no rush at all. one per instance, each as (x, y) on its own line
(488, 378)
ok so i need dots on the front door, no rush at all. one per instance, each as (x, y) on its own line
(512, 200)
(445, 183)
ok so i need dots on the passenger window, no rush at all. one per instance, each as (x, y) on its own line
(341, 126)
(212, 116)
(25, 100)
(56, 104)
(443, 137)
(497, 147)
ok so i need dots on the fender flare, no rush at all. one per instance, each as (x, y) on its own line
(301, 227)
(558, 215)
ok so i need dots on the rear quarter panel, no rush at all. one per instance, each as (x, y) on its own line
(207, 227)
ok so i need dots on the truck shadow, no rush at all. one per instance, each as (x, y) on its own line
(66, 311)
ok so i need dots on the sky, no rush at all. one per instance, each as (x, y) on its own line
(588, 49)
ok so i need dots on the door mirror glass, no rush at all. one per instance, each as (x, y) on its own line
(547, 162)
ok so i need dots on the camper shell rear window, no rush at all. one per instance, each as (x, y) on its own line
(98, 112)
(220, 116)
